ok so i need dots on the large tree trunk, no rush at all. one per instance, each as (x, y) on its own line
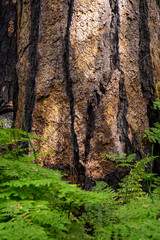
(87, 74)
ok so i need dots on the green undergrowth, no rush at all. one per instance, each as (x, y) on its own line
(35, 203)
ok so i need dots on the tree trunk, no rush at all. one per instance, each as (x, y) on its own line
(87, 76)
(8, 59)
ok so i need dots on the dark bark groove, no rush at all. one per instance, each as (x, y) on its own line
(34, 62)
(90, 126)
(69, 90)
(146, 73)
(122, 118)
(158, 2)
(122, 126)
(114, 34)
(8, 57)
(145, 63)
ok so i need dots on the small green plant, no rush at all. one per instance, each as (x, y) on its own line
(153, 134)
(130, 186)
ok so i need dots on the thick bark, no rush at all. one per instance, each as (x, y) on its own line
(8, 58)
(87, 74)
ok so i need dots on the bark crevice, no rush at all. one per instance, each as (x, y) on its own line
(90, 127)
(8, 58)
(122, 124)
(145, 62)
(69, 91)
(34, 62)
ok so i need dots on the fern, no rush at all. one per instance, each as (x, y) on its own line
(136, 220)
(44, 206)
(36, 204)
(153, 134)
(156, 186)
(156, 104)
(130, 186)
(123, 160)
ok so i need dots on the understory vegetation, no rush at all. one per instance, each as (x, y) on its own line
(35, 203)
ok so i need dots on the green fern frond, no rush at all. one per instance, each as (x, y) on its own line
(156, 104)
